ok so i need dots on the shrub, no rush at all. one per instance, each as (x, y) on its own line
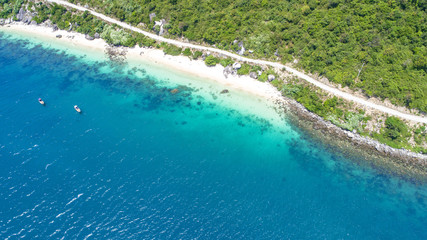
(172, 50)
(244, 70)
(187, 52)
(211, 60)
(197, 54)
(115, 37)
(395, 128)
(225, 62)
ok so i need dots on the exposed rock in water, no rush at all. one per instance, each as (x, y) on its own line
(253, 75)
(308, 120)
(271, 77)
(115, 54)
(224, 91)
(59, 36)
(152, 16)
(88, 37)
(237, 65)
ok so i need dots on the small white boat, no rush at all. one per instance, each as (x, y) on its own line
(77, 109)
(41, 101)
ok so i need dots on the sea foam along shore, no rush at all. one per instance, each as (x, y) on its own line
(199, 69)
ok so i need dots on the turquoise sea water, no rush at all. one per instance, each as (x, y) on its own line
(143, 163)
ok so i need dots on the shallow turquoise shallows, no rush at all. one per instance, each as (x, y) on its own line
(140, 162)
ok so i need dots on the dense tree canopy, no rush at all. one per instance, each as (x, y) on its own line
(374, 45)
(334, 38)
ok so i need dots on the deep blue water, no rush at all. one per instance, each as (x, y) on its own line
(143, 163)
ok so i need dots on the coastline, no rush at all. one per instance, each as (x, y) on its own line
(244, 83)
(398, 161)
(182, 64)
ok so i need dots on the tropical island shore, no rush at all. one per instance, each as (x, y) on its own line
(244, 83)
(180, 63)
(349, 108)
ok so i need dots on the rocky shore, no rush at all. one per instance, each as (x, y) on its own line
(303, 118)
(332, 135)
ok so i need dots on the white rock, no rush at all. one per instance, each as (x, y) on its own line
(237, 65)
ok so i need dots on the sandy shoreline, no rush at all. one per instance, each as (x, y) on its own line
(243, 83)
(179, 63)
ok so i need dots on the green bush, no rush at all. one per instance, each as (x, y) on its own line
(263, 77)
(211, 61)
(172, 50)
(197, 54)
(115, 37)
(395, 128)
(245, 69)
(187, 52)
(225, 62)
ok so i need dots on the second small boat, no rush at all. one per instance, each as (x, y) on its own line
(41, 101)
(77, 109)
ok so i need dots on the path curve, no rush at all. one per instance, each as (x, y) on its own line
(309, 79)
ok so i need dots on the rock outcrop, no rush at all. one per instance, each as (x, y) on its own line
(152, 16)
(271, 77)
(253, 75)
(228, 70)
(224, 91)
(115, 54)
(88, 37)
(237, 65)
(20, 15)
(242, 49)
(161, 23)
(47, 23)
(25, 16)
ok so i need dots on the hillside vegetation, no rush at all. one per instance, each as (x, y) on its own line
(382, 74)
(333, 38)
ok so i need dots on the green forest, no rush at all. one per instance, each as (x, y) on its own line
(377, 46)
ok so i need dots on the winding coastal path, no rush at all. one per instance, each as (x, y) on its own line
(309, 79)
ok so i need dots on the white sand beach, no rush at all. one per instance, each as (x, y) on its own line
(179, 63)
